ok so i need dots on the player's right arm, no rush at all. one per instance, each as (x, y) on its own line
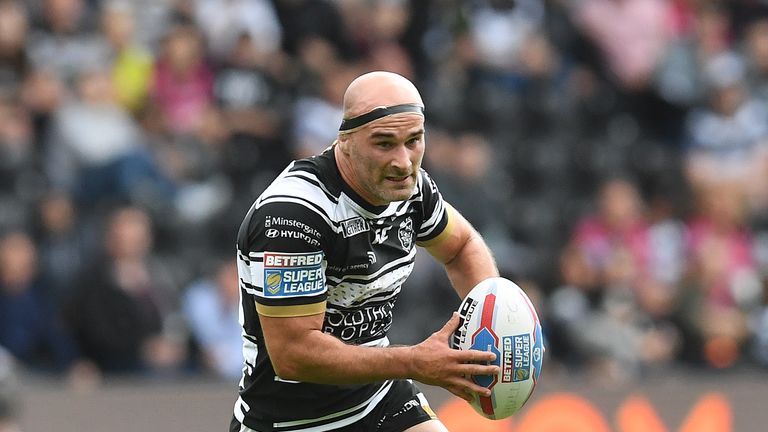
(300, 351)
(291, 316)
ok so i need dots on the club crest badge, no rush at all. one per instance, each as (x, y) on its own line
(405, 234)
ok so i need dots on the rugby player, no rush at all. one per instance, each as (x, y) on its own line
(322, 255)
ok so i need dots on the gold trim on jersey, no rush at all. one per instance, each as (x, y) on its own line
(447, 231)
(291, 310)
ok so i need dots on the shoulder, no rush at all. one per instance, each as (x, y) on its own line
(303, 198)
(311, 182)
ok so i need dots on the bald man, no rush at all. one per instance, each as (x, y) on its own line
(322, 255)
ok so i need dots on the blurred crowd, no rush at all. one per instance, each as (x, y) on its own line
(613, 152)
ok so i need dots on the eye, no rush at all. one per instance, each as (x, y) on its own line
(383, 144)
(413, 141)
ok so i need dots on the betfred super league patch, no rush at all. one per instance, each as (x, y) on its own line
(293, 274)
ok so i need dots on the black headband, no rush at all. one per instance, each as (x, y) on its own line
(377, 113)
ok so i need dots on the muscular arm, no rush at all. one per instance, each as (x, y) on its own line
(467, 259)
(300, 351)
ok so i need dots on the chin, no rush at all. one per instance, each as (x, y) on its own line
(390, 193)
(400, 195)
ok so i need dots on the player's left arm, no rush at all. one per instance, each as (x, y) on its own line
(463, 252)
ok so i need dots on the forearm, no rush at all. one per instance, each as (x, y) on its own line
(471, 265)
(310, 355)
(323, 359)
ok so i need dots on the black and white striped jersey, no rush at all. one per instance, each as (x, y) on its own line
(308, 245)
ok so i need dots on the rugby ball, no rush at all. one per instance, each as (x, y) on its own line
(498, 316)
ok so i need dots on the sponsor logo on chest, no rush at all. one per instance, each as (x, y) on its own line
(354, 226)
(280, 227)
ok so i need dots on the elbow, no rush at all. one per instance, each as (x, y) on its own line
(287, 369)
(291, 357)
(294, 367)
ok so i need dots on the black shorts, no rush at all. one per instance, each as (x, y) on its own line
(403, 407)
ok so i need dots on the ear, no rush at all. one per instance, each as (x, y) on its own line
(343, 142)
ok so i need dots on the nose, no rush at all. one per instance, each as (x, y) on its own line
(401, 160)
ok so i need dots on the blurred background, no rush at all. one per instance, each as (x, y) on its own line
(614, 154)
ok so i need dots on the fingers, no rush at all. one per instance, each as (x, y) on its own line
(461, 392)
(476, 369)
(451, 325)
(458, 392)
(467, 389)
(476, 356)
(476, 389)
(458, 366)
(482, 356)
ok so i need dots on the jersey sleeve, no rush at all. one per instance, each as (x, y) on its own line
(434, 211)
(281, 260)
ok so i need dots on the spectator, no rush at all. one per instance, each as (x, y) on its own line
(546, 101)
(631, 34)
(195, 164)
(315, 115)
(131, 64)
(470, 168)
(66, 43)
(255, 103)
(182, 81)
(679, 76)
(124, 312)
(704, 32)
(65, 241)
(30, 328)
(614, 240)
(499, 29)
(382, 37)
(96, 150)
(14, 26)
(611, 307)
(314, 19)
(225, 21)
(42, 94)
(722, 280)
(18, 163)
(727, 138)
(211, 307)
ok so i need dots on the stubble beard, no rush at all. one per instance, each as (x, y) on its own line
(390, 194)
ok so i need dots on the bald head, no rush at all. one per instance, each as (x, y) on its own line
(376, 89)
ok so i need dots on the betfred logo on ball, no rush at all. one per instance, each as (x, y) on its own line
(497, 316)
(517, 358)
